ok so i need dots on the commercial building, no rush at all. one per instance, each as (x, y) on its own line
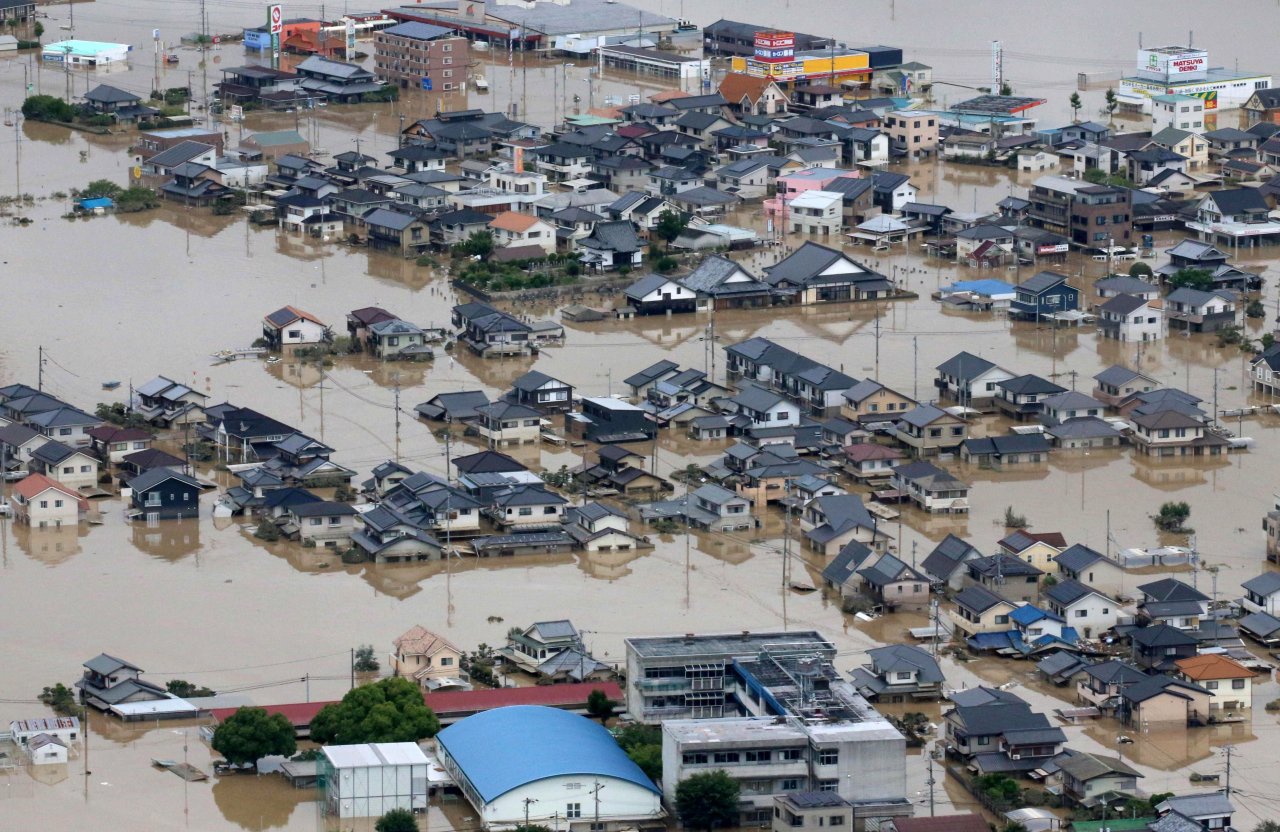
(799, 726)
(85, 53)
(776, 56)
(535, 25)
(529, 764)
(1185, 70)
(1088, 215)
(421, 55)
(369, 780)
(729, 37)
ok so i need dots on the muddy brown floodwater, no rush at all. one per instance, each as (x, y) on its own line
(133, 296)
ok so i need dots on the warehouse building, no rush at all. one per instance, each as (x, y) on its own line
(535, 765)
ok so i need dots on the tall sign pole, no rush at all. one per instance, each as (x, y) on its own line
(275, 23)
(997, 67)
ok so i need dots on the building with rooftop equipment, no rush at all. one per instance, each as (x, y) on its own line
(417, 55)
(776, 56)
(529, 764)
(1185, 70)
(791, 723)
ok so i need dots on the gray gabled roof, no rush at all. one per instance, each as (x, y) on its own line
(978, 598)
(1068, 592)
(906, 657)
(1077, 557)
(964, 366)
(948, 556)
(1123, 304)
(107, 94)
(1265, 584)
(1042, 281)
(1082, 427)
(150, 479)
(106, 664)
(1117, 376)
(846, 563)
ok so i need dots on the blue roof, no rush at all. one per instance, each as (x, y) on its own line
(96, 202)
(505, 748)
(983, 287)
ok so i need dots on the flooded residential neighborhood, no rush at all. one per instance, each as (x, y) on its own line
(712, 424)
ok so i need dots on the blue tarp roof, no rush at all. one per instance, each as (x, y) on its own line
(983, 287)
(505, 748)
(96, 202)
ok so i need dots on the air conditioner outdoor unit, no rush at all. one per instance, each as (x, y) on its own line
(1015, 756)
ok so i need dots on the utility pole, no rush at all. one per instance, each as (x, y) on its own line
(527, 801)
(915, 367)
(396, 378)
(933, 603)
(353, 668)
(40, 370)
(1229, 750)
(930, 781)
(877, 313)
(595, 793)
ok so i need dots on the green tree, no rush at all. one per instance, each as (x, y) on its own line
(1006, 88)
(707, 801)
(365, 661)
(665, 264)
(250, 734)
(389, 710)
(186, 690)
(599, 705)
(1095, 176)
(1255, 309)
(1141, 271)
(1267, 340)
(1075, 104)
(38, 30)
(1267, 826)
(1201, 279)
(670, 225)
(101, 187)
(1173, 516)
(479, 244)
(998, 787)
(643, 744)
(136, 198)
(397, 820)
(62, 699)
(47, 108)
(1112, 102)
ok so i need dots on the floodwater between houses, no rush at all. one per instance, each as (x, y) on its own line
(130, 297)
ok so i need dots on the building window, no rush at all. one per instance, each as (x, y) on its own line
(828, 785)
(1237, 684)
(573, 810)
(695, 759)
(828, 756)
(726, 757)
(790, 784)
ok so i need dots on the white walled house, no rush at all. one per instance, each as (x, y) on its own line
(45, 750)
(288, 326)
(1082, 607)
(43, 503)
(1131, 318)
(545, 764)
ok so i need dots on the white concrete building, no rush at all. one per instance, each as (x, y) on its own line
(817, 212)
(1131, 318)
(369, 780)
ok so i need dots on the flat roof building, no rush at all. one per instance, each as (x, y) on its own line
(371, 779)
(672, 677)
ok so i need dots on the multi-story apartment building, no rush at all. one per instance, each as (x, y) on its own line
(1088, 215)
(422, 56)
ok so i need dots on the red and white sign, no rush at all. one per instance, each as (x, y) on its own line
(1183, 66)
(277, 19)
(1057, 248)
